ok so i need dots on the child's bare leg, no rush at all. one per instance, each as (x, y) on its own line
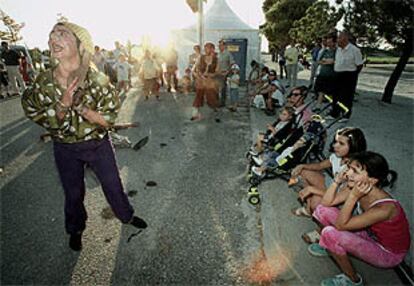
(312, 202)
(313, 178)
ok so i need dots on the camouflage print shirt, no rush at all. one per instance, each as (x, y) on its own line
(39, 103)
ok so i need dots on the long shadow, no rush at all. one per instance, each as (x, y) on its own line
(13, 124)
(12, 147)
(33, 241)
(180, 246)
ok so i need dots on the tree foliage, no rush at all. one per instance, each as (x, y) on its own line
(392, 20)
(319, 20)
(12, 33)
(280, 16)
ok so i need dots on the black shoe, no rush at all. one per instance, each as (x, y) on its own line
(138, 222)
(75, 241)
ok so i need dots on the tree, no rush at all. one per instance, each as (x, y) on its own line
(280, 15)
(13, 33)
(373, 20)
(319, 20)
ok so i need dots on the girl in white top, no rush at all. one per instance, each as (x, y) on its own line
(347, 141)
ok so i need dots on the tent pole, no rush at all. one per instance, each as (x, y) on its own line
(200, 24)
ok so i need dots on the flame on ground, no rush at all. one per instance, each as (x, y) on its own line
(263, 270)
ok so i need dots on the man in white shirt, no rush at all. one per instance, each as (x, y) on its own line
(292, 57)
(348, 64)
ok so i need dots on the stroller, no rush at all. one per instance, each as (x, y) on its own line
(312, 139)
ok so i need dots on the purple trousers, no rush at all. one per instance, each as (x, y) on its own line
(99, 155)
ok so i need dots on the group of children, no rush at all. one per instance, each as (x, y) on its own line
(355, 214)
(265, 90)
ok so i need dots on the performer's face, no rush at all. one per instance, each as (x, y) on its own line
(62, 43)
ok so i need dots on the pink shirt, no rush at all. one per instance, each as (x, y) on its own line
(392, 234)
(305, 115)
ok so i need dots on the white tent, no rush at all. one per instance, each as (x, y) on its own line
(220, 22)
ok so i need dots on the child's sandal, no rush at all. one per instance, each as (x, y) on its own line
(301, 212)
(311, 237)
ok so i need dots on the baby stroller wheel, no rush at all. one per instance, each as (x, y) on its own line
(254, 181)
(254, 200)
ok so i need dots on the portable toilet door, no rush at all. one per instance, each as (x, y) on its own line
(238, 49)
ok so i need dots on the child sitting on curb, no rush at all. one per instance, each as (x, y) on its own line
(347, 141)
(378, 235)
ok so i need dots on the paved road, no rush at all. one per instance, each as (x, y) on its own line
(202, 231)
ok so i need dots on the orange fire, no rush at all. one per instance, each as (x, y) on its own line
(263, 270)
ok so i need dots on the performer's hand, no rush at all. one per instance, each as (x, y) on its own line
(67, 98)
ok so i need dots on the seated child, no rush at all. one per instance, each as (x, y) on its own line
(186, 81)
(347, 141)
(286, 117)
(274, 159)
(378, 234)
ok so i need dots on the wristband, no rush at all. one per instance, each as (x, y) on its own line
(60, 107)
(81, 109)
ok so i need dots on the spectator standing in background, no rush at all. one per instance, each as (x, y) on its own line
(225, 61)
(12, 59)
(292, 57)
(348, 64)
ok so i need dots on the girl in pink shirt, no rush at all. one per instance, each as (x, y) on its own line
(378, 235)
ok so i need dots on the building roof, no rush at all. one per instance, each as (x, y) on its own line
(221, 17)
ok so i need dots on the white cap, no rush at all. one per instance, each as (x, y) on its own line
(235, 66)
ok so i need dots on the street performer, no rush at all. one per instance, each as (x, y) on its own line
(77, 105)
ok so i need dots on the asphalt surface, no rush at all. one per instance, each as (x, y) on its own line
(201, 228)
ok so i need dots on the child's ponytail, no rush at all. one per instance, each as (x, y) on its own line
(376, 167)
(390, 179)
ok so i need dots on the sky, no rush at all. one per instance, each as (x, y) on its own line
(108, 21)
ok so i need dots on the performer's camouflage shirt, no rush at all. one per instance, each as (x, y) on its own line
(39, 103)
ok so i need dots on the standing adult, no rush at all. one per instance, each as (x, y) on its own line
(282, 64)
(254, 76)
(193, 58)
(205, 72)
(118, 50)
(171, 64)
(225, 61)
(292, 57)
(11, 59)
(325, 75)
(314, 64)
(77, 105)
(348, 64)
(99, 59)
(149, 74)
